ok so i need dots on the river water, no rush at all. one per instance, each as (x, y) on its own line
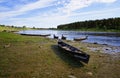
(109, 38)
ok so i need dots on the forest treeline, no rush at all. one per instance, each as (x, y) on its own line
(103, 24)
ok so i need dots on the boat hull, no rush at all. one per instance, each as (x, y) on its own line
(76, 53)
(55, 37)
(80, 39)
(36, 35)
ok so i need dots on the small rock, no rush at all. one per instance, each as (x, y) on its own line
(100, 55)
(105, 44)
(48, 73)
(95, 43)
(107, 49)
(71, 76)
(40, 46)
(90, 73)
(7, 45)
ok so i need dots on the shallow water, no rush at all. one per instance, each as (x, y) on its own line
(108, 38)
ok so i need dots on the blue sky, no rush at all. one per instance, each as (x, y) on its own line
(50, 13)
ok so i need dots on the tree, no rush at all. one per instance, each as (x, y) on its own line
(24, 26)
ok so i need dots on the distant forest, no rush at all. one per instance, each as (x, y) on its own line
(103, 24)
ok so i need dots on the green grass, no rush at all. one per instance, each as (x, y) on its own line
(10, 37)
(39, 57)
(13, 29)
(8, 29)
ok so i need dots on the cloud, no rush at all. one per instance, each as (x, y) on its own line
(74, 5)
(26, 8)
(36, 5)
(54, 19)
(106, 1)
(64, 12)
(3, 8)
(69, 6)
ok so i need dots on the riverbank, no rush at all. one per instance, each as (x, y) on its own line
(39, 57)
(91, 30)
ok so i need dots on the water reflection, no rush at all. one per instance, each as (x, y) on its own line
(99, 37)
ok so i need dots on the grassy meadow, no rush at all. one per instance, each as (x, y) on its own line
(13, 29)
(40, 57)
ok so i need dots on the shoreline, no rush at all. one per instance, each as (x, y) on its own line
(85, 30)
(109, 49)
(92, 35)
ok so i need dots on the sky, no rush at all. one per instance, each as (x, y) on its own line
(51, 13)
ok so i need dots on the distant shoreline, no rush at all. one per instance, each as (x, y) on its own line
(90, 30)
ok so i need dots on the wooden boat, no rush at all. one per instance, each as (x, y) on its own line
(43, 35)
(78, 54)
(80, 39)
(63, 37)
(55, 37)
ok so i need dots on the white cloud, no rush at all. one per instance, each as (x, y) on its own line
(68, 8)
(98, 12)
(55, 19)
(51, 18)
(78, 4)
(106, 1)
(36, 5)
(26, 8)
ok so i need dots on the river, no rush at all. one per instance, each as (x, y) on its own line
(109, 38)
